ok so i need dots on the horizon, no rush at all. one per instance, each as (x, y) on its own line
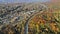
(21, 1)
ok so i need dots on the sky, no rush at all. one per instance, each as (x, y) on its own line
(19, 1)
